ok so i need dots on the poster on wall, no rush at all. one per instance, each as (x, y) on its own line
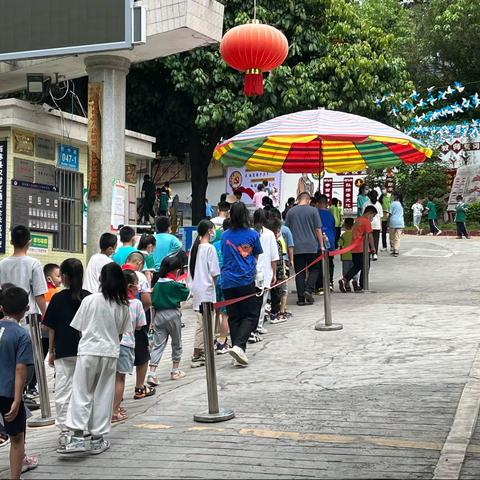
(94, 140)
(3, 194)
(39, 244)
(467, 184)
(45, 147)
(119, 193)
(247, 182)
(35, 206)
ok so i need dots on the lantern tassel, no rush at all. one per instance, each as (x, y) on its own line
(253, 86)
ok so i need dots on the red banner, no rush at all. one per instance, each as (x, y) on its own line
(328, 188)
(348, 193)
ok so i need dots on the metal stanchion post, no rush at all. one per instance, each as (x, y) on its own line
(366, 266)
(214, 414)
(39, 364)
(328, 325)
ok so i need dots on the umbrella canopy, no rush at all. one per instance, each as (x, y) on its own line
(317, 140)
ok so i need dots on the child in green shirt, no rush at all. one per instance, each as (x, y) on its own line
(460, 217)
(167, 294)
(336, 210)
(431, 209)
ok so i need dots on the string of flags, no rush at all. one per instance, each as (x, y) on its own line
(437, 135)
(417, 103)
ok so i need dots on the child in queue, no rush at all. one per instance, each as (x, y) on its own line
(16, 355)
(126, 356)
(202, 276)
(168, 292)
(362, 228)
(101, 319)
(63, 339)
(53, 279)
(347, 262)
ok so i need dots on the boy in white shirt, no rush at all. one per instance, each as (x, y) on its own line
(418, 209)
(91, 279)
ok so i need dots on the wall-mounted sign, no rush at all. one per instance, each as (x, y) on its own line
(119, 193)
(45, 174)
(35, 206)
(23, 170)
(3, 195)
(68, 157)
(39, 244)
(94, 140)
(130, 173)
(23, 143)
(45, 147)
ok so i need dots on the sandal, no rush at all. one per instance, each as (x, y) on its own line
(4, 440)
(29, 463)
(119, 417)
(143, 392)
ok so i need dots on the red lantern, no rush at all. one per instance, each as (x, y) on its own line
(254, 48)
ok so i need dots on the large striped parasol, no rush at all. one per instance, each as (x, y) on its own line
(317, 140)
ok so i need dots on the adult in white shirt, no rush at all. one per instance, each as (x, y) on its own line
(418, 209)
(376, 220)
(267, 261)
(91, 279)
(258, 197)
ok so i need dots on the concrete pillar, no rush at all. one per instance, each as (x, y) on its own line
(112, 71)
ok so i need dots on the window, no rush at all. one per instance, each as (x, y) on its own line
(70, 229)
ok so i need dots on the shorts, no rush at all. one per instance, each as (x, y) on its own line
(220, 298)
(417, 220)
(19, 425)
(126, 359)
(142, 353)
(283, 289)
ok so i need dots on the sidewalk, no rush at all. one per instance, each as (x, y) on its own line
(374, 400)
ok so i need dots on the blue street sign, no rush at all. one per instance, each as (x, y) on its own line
(68, 157)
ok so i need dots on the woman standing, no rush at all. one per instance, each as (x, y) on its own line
(385, 200)
(240, 250)
(362, 199)
(397, 224)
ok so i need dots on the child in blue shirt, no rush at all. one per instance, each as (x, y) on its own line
(15, 356)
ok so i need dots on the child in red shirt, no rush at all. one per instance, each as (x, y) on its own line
(361, 228)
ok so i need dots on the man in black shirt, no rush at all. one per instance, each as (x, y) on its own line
(148, 198)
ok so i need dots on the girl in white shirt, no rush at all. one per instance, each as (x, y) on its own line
(203, 271)
(266, 265)
(101, 319)
(376, 220)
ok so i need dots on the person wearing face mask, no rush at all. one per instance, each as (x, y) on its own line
(203, 271)
(362, 199)
(385, 201)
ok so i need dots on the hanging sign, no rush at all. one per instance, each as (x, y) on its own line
(95, 140)
(3, 194)
(327, 188)
(68, 157)
(348, 193)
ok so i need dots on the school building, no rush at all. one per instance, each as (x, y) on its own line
(43, 179)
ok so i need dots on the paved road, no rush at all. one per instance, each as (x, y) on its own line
(375, 400)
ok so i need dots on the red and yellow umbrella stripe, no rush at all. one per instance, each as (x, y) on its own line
(336, 149)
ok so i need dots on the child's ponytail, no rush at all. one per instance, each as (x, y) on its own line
(203, 227)
(72, 268)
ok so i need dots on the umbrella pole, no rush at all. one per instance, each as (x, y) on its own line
(328, 325)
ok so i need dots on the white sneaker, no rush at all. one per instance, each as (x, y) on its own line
(384, 249)
(237, 364)
(375, 257)
(98, 446)
(239, 355)
(262, 330)
(75, 445)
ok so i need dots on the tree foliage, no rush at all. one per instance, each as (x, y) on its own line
(337, 60)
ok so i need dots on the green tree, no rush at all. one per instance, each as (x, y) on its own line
(336, 60)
